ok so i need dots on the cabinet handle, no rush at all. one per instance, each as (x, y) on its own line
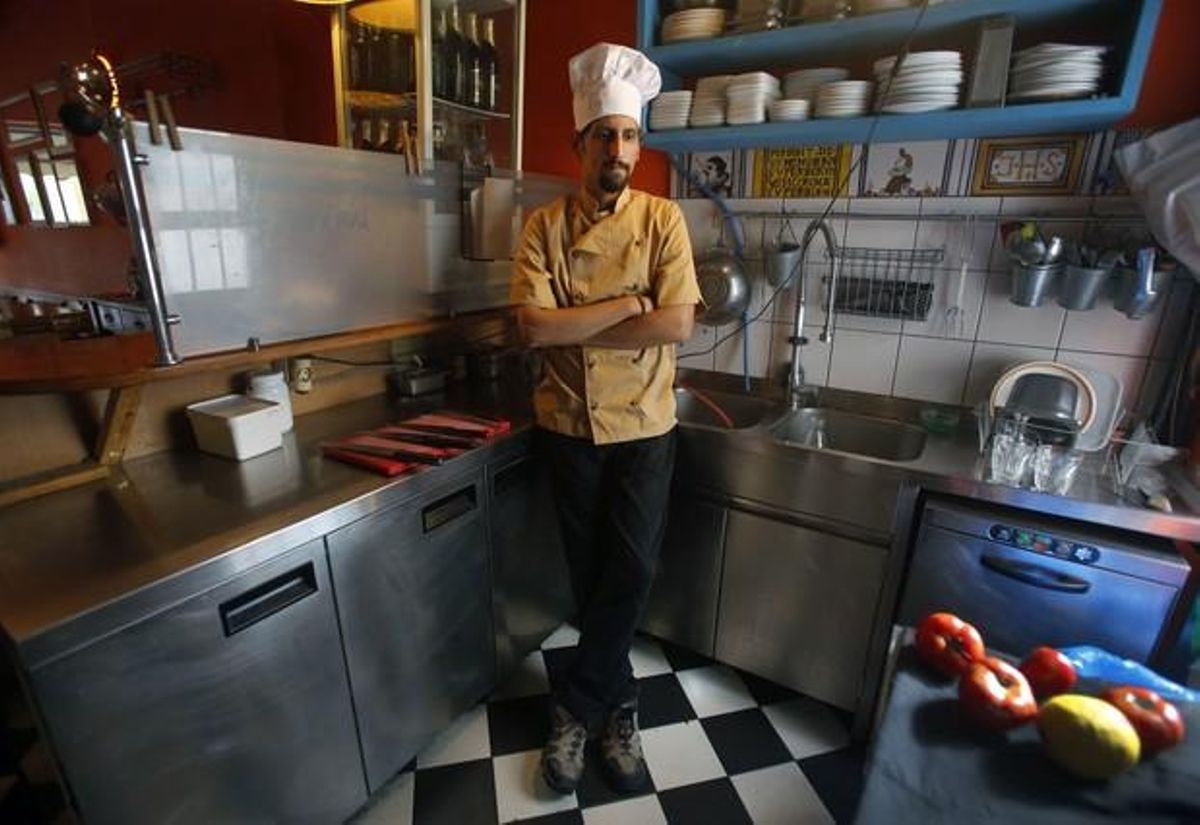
(1035, 575)
(445, 510)
(267, 599)
(511, 476)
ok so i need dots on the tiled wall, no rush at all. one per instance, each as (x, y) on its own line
(933, 360)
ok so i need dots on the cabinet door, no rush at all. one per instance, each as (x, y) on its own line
(798, 605)
(230, 707)
(414, 600)
(532, 590)
(683, 603)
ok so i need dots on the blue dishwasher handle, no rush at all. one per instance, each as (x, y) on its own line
(1035, 575)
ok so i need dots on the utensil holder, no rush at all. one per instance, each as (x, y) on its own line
(1134, 302)
(1031, 284)
(1081, 287)
(781, 262)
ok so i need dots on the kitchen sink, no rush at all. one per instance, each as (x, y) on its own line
(722, 410)
(828, 429)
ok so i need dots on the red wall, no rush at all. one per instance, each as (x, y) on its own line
(556, 31)
(1171, 87)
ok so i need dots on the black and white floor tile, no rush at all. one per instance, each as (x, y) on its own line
(722, 746)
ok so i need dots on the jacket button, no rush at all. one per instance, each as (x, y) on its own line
(595, 405)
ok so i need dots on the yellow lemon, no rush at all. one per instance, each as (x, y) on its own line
(1088, 736)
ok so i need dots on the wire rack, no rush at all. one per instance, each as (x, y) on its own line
(885, 283)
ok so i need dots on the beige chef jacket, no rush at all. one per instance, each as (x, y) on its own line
(571, 255)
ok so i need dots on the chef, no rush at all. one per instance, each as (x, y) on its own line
(605, 286)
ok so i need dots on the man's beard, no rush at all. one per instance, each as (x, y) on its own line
(614, 178)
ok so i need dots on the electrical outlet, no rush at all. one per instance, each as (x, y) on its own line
(302, 375)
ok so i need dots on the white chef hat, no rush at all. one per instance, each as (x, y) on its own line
(611, 80)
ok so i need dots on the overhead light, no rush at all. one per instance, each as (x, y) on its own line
(324, 2)
(394, 15)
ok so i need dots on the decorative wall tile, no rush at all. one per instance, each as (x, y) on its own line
(720, 171)
(1048, 165)
(906, 170)
(988, 363)
(802, 172)
(932, 369)
(863, 361)
(962, 162)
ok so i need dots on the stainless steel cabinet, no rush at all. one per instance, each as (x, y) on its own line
(232, 706)
(531, 588)
(687, 587)
(798, 605)
(415, 606)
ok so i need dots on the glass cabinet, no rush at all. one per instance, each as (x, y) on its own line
(431, 79)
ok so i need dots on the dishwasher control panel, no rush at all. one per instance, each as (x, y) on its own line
(1043, 543)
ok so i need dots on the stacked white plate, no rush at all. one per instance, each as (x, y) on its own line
(748, 95)
(844, 98)
(708, 104)
(693, 24)
(803, 84)
(926, 82)
(670, 110)
(871, 6)
(1055, 71)
(784, 110)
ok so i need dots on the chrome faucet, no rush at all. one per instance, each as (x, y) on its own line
(796, 388)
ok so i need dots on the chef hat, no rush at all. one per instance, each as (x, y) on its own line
(611, 80)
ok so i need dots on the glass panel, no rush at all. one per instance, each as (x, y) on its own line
(6, 206)
(29, 188)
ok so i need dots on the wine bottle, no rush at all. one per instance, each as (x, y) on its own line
(490, 65)
(358, 56)
(438, 54)
(473, 62)
(377, 72)
(456, 52)
(395, 78)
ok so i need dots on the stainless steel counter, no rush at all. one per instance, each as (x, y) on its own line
(169, 525)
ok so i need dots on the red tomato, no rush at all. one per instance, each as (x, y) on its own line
(1157, 721)
(1049, 672)
(997, 695)
(947, 643)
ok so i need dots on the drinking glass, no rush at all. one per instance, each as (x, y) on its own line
(1054, 468)
(1011, 451)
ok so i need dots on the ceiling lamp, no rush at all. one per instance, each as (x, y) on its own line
(394, 15)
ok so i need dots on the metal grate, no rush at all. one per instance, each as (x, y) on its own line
(885, 283)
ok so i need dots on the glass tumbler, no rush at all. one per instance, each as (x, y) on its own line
(1054, 468)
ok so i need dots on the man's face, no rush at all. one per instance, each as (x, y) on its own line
(608, 151)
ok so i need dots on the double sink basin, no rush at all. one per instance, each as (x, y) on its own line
(810, 427)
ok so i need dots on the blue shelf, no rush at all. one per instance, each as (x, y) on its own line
(1031, 119)
(1129, 23)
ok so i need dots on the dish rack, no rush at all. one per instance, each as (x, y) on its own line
(884, 283)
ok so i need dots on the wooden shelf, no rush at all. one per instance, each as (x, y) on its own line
(1128, 24)
(92, 366)
(389, 103)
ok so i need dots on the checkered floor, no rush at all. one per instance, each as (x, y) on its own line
(722, 746)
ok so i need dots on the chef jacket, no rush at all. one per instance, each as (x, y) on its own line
(571, 254)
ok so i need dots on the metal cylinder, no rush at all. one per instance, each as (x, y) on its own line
(134, 197)
(1081, 286)
(1031, 284)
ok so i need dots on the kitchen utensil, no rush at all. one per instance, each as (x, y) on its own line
(1086, 405)
(1031, 283)
(428, 439)
(1044, 395)
(1054, 250)
(1054, 468)
(955, 316)
(1010, 451)
(1081, 286)
(1141, 288)
(723, 286)
(398, 453)
(1108, 392)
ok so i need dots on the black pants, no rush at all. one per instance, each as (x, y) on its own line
(612, 502)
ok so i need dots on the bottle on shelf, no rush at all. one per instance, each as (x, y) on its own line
(473, 62)
(456, 53)
(377, 69)
(438, 53)
(357, 56)
(490, 65)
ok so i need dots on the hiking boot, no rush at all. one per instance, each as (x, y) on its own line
(621, 746)
(562, 758)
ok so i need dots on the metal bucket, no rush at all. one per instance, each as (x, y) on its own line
(1081, 287)
(782, 260)
(1031, 284)
(1133, 297)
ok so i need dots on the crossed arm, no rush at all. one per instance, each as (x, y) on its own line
(617, 323)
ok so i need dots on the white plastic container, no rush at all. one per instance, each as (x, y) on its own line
(272, 386)
(236, 426)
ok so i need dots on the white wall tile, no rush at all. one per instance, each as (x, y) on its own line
(945, 293)
(1129, 371)
(1004, 322)
(989, 361)
(863, 361)
(932, 369)
(972, 239)
(729, 353)
(886, 232)
(815, 273)
(1102, 329)
(688, 353)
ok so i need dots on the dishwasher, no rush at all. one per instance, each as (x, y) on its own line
(1025, 579)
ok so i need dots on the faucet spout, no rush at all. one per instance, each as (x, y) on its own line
(796, 385)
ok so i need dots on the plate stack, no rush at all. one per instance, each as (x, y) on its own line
(748, 96)
(1055, 71)
(844, 98)
(670, 110)
(926, 82)
(862, 7)
(803, 84)
(785, 110)
(708, 104)
(693, 24)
